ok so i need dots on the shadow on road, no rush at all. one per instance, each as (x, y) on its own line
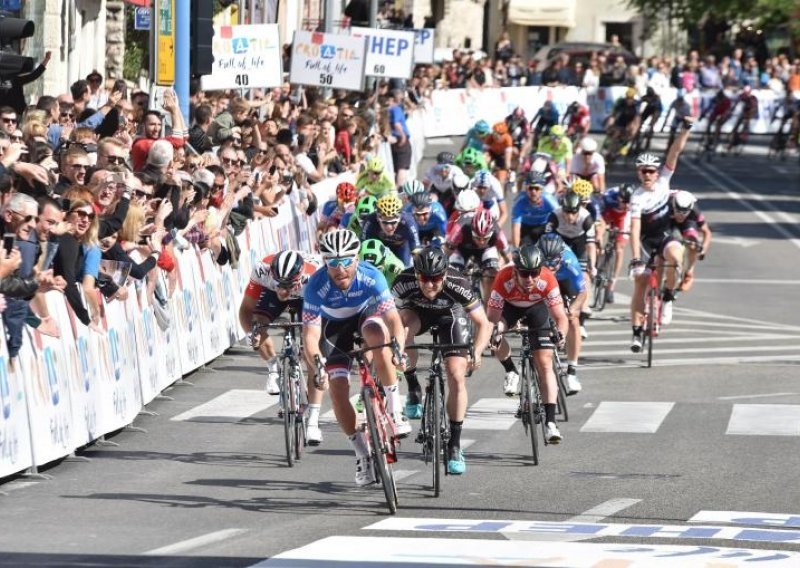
(17, 559)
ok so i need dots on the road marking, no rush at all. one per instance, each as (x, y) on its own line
(712, 315)
(231, 406)
(603, 510)
(439, 141)
(197, 542)
(773, 520)
(17, 485)
(765, 395)
(491, 414)
(630, 417)
(659, 352)
(758, 281)
(330, 417)
(696, 340)
(764, 420)
(686, 361)
(403, 473)
(743, 242)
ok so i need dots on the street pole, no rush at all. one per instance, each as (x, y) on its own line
(373, 13)
(182, 61)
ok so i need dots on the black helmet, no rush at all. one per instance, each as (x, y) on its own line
(430, 261)
(445, 158)
(572, 202)
(552, 246)
(625, 192)
(528, 257)
(536, 178)
(420, 200)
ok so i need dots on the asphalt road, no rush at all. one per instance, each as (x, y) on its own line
(691, 463)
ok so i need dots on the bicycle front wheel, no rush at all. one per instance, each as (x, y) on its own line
(562, 391)
(287, 400)
(300, 404)
(379, 442)
(529, 408)
(651, 320)
(436, 437)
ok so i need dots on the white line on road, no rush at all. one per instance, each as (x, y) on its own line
(666, 340)
(693, 361)
(197, 542)
(491, 414)
(629, 417)
(747, 281)
(231, 406)
(659, 352)
(765, 395)
(439, 141)
(603, 510)
(765, 420)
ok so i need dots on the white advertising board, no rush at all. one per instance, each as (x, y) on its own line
(245, 57)
(328, 60)
(390, 53)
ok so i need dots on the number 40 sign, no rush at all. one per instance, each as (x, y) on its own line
(247, 56)
(328, 60)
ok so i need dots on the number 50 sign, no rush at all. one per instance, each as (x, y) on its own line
(328, 60)
(244, 57)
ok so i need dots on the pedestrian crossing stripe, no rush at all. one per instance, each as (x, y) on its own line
(628, 417)
(765, 420)
(231, 406)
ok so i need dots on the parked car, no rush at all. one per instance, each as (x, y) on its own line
(582, 51)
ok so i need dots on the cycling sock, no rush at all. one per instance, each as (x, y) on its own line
(392, 398)
(572, 367)
(508, 365)
(638, 330)
(668, 296)
(549, 412)
(455, 434)
(359, 444)
(414, 390)
(313, 414)
(611, 282)
(582, 317)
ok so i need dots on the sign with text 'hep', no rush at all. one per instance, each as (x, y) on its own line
(423, 45)
(328, 60)
(390, 53)
(247, 56)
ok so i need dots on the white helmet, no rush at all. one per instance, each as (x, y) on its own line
(460, 182)
(588, 145)
(683, 200)
(648, 159)
(340, 243)
(467, 200)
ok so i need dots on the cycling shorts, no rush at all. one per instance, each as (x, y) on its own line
(453, 327)
(620, 220)
(537, 318)
(270, 307)
(578, 246)
(568, 291)
(487, 258)
(337, 338)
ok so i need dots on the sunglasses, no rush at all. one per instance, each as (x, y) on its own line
(388, 221)
(219, 187)
(650, 171)
(116, 160)
(230, 162)
(79, 166)
(141, 194)
(83, 214)
(587, 153)
(288, 285)
(25, 218)
(343, 262)
(9, 120)
(528, 273)
(263, 152)
(552, 264)
(425, 279)
(348, 115)
(16, 138)
(534, 188)
(421, 213)
(67, 115)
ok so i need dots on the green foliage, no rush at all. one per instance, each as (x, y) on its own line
(690, 13)
(137, 54)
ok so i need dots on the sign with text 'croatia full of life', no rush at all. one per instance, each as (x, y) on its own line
(245, 56)
(390, 53)
(423, 45)
(328, 60)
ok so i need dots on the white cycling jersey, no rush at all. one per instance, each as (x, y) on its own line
(595, 165)
(433, 177)
(645, 203)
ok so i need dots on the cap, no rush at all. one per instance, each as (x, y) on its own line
(161, 153)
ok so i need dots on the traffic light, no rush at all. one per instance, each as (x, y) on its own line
(201, 36)
(14, 29)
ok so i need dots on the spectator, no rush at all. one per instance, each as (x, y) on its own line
(198, 133)
(152, 130)
(710, 75)
(504, 49)
(97, 95)
(401, 145)
(229, 123)
(74, 167)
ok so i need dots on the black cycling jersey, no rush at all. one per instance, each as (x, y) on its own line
(457, 291)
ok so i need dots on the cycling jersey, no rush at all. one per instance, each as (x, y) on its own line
(653, 105)
(584, 168)
(518, 128)
(749, 104)
(436, 224)
(498, 143)
(506, 290)
(681, 109)
(653, 207)
(366, 186)
(616, 213)
(261, 276)
(332, 214)
(526, 213)
(545, 118)
(460, 237)
(434, 178)
(579, 119)
(472, 140)
(583, 226)
(719, 108)
(624, 113)
(570, 275)
(368, 295)
(559, 151)
(456, 291)
(404, 239)
(390, 267)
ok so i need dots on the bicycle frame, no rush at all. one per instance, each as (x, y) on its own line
(653, 304)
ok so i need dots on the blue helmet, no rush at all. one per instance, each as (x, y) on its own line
(482, 127)
(481, 178)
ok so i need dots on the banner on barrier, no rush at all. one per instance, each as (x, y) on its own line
(15, 442)
(328, 60)
(390, 53)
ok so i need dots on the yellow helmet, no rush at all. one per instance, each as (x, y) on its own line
(582, 188)
(630, 93)
(389, 205)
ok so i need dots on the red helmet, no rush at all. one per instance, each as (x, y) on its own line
(482, 224)
(346, 192)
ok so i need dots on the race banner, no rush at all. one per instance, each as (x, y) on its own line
(15, 442)
(328, 60)
(390, 53)
(423, 45)
(247, 56)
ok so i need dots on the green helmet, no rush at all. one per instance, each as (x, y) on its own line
(469, 157)
(373, 251)
(365, 206)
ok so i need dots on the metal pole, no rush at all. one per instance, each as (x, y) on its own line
(182, 64)
(328, 21)
(373, 13)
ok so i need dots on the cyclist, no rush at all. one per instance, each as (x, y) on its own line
(476, 136)
(430, 217)
(558, 146)
(560, 259)
(624, 120)
(544, 119)
(430, 294)
(373, 179)
(719, 111)
(379, 256)
(393, 228)
(444, 181)
(482, 240)
(346, 297)
(409, 188)
(543, 163)
(616, 214)
(653, 107)
(490, 191)
(691, 223)
(790, 114)
(531, 211)
(364, 208)
(334, 210)
(470, 161)
(589, 164)
(651, 234)
(277, 282)
(527, 290)
(741, 129)
(679, 109)
(520, 131)
(500, 146)
(577, 121)
(466, 205)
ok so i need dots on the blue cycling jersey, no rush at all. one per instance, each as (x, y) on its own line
(404, 239)
(368, 293)
(571, 272)
(437, 220)
(526, 213)
(473, 141)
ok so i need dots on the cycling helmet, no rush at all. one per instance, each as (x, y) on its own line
(286, 267)
(648, 159)
(500, 128)
(346, 192)
(482, 224)
(373, 251)
(683, 201)
(470, 157)
(557, 131)
(430, 261)
(573, 107)
(482, 128)
(651, 92)
(467, 200)
(552, 247)
(625, 192)
(341, 243)
(389, 205)
(572, 202)
(365, 206)
(421, 200)
(630, 93)
(582, 188)
(460, 182)
(411, 187)
(588, 145)
(529, 257)
(480, 179)
(536, 178)
(445, 158)
(375, 164)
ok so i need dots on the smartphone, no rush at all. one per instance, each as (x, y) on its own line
(8, 242)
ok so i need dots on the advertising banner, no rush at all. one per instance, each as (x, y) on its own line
(247, 56)
(423, 45)
(390, 53)
(328, 60)
(15, 443)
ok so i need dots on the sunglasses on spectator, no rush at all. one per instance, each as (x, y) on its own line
(432, 279)
(79, 166)
(348, 115)
(230, 162)
(649, 171)
(141, 194)
(116, 160)
(263, 152)
(67, 115)
(218, 187)
(25, 218)
(8, 120)
(16, 138)
(528, 273)
(587, 153)
(83, 214)
(343, 262)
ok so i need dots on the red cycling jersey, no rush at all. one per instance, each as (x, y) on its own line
(261, 276)
(506, 289)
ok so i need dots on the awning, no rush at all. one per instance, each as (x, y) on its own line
(559, 13)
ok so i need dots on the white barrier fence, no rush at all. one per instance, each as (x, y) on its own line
(454, 111)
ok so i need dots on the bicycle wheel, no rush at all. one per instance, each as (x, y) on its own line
(379, 445)
(528, 404)
(301, 403)
(287, 400)
(651, 324)
(436, 437)
(562, 391)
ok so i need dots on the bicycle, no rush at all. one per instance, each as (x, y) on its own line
(381, 437)
(560, 373)
(605, 269)
(653, 304)
(293, 396)
(434, 432)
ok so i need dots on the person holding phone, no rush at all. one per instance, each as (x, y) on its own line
(153, 124)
